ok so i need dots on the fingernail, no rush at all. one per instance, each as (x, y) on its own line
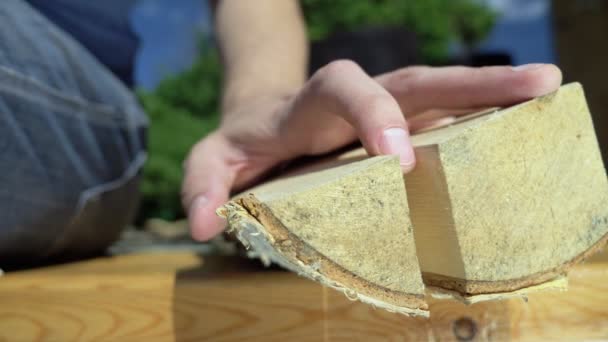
(395, 141)
(199, 201)
(525, 67)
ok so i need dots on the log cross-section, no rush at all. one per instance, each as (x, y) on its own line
(498, 203)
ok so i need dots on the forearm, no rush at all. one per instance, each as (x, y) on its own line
(264, 49)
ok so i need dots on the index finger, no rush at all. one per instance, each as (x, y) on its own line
(418, 89)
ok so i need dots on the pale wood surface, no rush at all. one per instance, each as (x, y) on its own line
(494, 198)
(491, 203)
(346, 227)
(178, 297)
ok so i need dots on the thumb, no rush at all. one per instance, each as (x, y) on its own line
(206, 186)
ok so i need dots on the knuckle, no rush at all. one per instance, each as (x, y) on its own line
(407, 76)
(377, 102)
(405, 85)
(337, 68)
(377, 105)
(188, 160)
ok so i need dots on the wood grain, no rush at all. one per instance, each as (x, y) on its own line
(347, 225)
(507, 181)
(178, 297)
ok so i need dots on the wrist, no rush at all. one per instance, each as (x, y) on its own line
(241, 101)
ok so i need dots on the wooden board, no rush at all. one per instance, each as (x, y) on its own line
(180, 297)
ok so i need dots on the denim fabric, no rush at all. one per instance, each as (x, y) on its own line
(102, 27)
(72, 142)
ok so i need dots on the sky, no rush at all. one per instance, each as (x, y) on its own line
(523, 30)
(520, 9)
(170, 36)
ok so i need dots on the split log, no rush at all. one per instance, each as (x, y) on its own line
(510, 199)
(346, 227)
(498, 203)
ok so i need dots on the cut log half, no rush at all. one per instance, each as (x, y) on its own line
(347, 227)
(497, 203)
(510, 199)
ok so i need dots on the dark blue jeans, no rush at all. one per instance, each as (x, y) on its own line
(72, 143)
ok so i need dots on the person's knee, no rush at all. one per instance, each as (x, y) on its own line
(31, 226)
(72, 142)
(102, 213)
(69, 179)
(41, 229)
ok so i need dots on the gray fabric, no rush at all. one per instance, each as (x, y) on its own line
(72, 142)
(102, 27)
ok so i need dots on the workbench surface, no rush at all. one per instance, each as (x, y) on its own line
(181, 297)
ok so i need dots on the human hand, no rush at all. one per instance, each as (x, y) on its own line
(339, 104)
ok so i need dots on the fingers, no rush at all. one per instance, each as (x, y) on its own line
(341, 102)
(210, 171)
(420, 88)
(342, 89)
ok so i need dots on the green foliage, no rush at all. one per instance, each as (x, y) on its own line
(471, 22)
(184, 108)
(196, 90)
(436, 22)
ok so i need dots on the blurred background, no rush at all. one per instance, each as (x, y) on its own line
(177, 72)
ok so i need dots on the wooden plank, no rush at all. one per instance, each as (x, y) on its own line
(178, 297)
